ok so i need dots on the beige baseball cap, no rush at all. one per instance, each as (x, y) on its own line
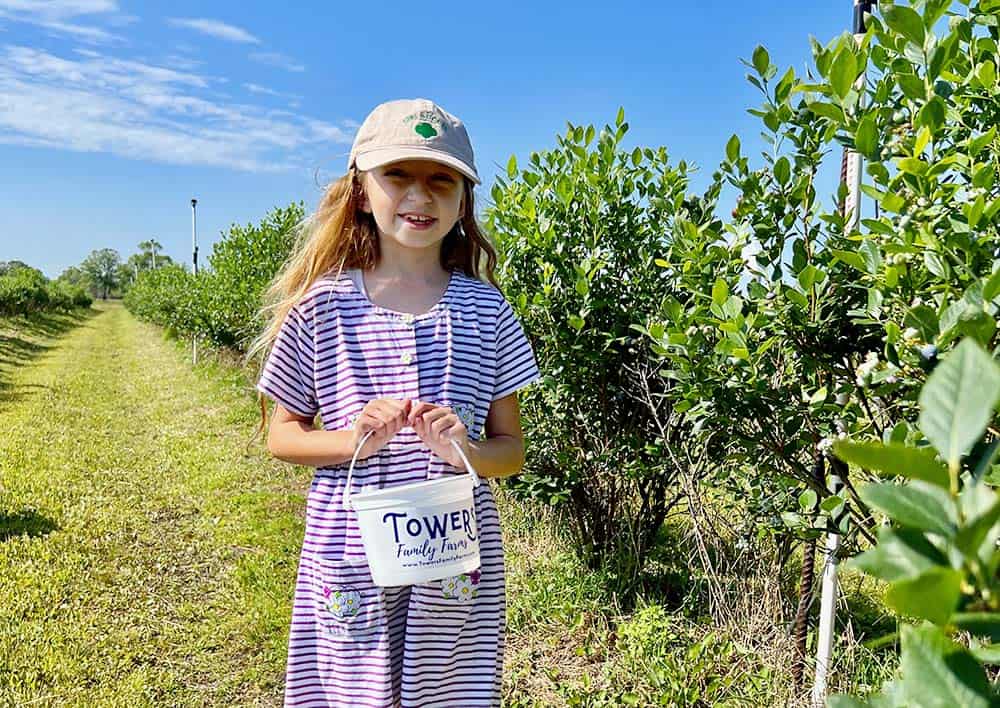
(413, 129)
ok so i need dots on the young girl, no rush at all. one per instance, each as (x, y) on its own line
(383, 320)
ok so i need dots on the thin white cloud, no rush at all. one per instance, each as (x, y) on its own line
(277, 60)
(62, 17)
(176, 61)
(214, 28)
(95, 103)
(265, 91)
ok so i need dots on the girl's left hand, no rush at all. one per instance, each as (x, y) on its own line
(436, 426)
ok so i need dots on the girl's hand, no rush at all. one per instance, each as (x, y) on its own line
(386, 416)
(437, 426)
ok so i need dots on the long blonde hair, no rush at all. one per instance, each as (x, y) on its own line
(340, 235)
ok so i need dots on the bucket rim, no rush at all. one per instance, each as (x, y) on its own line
(454, 480)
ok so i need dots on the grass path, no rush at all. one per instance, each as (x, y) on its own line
(146, 558)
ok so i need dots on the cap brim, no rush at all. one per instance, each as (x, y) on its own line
(375, 158)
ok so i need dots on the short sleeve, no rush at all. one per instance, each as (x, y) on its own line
(288, 375)
(516, 366)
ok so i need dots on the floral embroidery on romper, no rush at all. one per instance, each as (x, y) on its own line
(466, 413)
(461, 587)
(342, 603)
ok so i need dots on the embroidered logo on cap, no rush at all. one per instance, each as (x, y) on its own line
(428, 124)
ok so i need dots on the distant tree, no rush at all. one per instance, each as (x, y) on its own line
(148, 250)
(102, 269)
(10, 266)
(74, 276)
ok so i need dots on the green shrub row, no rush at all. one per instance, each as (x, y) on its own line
(26, 290)
(221, 303)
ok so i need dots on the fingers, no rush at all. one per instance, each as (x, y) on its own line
(384, 416)
(439, 424)
(419, 408)
(391, 415)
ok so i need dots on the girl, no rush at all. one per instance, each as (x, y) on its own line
(383, 320)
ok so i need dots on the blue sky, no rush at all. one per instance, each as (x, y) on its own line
(113, 113)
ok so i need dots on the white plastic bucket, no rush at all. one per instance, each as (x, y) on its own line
(416, 533)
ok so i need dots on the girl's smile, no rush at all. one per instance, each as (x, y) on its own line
(415, 203)
(418, 221)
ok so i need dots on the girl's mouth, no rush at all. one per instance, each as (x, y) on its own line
(417, 222)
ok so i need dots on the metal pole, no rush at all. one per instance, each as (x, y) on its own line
(852, 213)
(194, 260)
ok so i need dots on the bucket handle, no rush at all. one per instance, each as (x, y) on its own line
(346, 500)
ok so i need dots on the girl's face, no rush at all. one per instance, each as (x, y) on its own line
(414, 202)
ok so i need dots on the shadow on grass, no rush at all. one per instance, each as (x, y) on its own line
(25, 523)
(24, 338)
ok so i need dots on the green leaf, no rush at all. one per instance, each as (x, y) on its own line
(782, 170)
(582, 287)
(923, 319)
(936, 264)
(992, 287)
(620, 118)
(576, 322)
(987, 654)
(978, 143)
(938, 672)
(980, 624)
(865, 138)
(970, 537)
(912, 86)
(871, 255)
(974, 211)
(636, 157)
(843, 71)
(796, 297)
(987, 74)
(900, 554)
(913, 166)
(932, 595)
(906, 22)
(761, 60)
(957, 402)
(809, 276)
(512, 167)
(893, 202)
(894, 459)
(923, 137)
(720, 292)
(733, 148)
(932, 115)
(828, 110)
(841, 701)
(851, 259)
(917, 505)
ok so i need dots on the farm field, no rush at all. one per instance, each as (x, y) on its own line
(147, 555)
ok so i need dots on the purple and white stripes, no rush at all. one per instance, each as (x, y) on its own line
(352, 643)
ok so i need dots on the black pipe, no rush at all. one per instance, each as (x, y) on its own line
(860, 8)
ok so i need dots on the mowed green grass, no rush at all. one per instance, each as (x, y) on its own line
(146, 556)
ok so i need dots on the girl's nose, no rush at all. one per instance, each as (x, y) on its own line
(419, 192)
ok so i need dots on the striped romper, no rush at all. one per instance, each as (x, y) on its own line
(353, 643)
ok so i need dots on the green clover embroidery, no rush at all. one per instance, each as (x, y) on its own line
(425, 130)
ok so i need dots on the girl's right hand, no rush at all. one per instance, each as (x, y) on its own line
(386, 416)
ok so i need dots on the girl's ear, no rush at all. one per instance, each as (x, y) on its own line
(365, 205)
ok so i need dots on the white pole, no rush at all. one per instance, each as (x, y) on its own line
(194, 260)
(852, 212)
(827, 609)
